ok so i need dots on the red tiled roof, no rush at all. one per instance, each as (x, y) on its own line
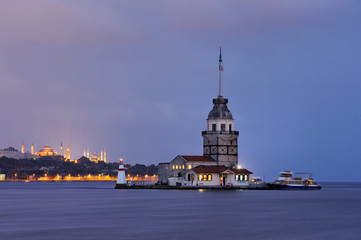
(243, 170)
(218, 169)
(197, 158)
(210, 169)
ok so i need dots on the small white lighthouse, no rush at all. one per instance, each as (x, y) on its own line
(121, 174)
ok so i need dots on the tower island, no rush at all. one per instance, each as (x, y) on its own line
(218, 167)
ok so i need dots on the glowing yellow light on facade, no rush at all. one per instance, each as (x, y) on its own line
(189, 166)
(173, 166)
(183, 166)
(176, 166)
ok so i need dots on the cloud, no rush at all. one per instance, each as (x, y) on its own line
(63, 22)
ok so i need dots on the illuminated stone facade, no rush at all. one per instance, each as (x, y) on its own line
(46, 151)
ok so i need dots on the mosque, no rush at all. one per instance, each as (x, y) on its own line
(95, 157)
(218, 166)
(12, 152)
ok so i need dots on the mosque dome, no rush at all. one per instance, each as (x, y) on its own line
(220, 109)
(46, 151)
(95, 158)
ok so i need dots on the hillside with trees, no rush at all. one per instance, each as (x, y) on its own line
(53, 166)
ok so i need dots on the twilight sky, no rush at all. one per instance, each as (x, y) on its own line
(138, 78)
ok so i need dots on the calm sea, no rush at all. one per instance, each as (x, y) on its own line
(97, 211)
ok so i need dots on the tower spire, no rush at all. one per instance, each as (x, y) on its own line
(220, 72)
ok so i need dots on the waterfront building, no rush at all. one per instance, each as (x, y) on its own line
(217, 176)
(179, 166)
(219, 163)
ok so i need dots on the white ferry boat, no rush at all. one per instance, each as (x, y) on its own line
(288, 180)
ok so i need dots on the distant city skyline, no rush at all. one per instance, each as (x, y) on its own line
(138, 78)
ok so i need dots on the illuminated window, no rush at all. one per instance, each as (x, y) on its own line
(173, 166)
(176, 166)
(183, 167)
(236, 177)
(245, 178)
(204, 177)
(189, 166)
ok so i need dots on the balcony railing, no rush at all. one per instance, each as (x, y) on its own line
(220, 132)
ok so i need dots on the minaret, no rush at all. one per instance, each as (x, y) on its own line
(105, 155)
(68, 153)
(101, 154)
(32, 148)
(22, 148)
(84, 155)
(220, 139)
(61, 148)
(121, 174)
(87, 153)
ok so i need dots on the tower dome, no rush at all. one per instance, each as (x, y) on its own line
(220, 109)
